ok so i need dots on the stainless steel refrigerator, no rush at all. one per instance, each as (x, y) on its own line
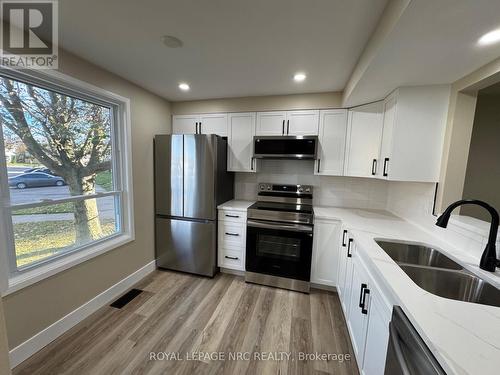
(191, 179)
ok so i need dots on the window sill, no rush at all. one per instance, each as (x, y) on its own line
(40, 273)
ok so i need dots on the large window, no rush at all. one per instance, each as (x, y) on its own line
(63, 175)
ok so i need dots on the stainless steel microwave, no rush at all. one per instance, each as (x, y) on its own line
(285, 147)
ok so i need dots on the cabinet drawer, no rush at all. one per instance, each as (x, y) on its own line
(231, 234)
(233, 216)
(231, 259)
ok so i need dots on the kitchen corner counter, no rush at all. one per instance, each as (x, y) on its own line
(236, 205)
(464, 337)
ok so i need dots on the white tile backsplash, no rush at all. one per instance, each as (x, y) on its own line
(413, 201)
(328, 190)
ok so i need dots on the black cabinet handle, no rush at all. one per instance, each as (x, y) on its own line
(374, 167)
(196, 128)
(233, 258)
(343, 238)
(200, 127)
(283, 130)
(386, 161)
(235, 216)
(349, 254)
(232, 234)
(287, 127)
(364, 310)
(319, 163)
(363, 286)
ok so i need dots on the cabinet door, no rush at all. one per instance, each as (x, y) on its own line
(342, 266)
(388, 127)
(377, 336)
(302, 123)
(325, 253)
(351, 247)
(240, 142)
(214, 123)
(358, 320)
(364, 135)
(185, 124)
(271, 123)
(332, 137)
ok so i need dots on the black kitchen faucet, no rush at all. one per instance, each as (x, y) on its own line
(489, 261)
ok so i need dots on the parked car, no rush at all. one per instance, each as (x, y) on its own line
(39, 169)
(35, 179)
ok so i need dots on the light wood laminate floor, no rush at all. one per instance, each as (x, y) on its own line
(183, 315)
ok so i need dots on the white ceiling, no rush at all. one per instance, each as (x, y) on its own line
(231, 47)
(434, 42)
(236, 48)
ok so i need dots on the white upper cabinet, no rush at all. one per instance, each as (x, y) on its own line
(364, 134)
(271, 123)
(241, 130)
(185, 124)
(302, 123)
(288, 123)
(414, 126)
(332, 138)
(212, 123)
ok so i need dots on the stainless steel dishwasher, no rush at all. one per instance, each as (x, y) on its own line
(407, 353)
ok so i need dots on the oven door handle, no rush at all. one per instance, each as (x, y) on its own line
(280, 226)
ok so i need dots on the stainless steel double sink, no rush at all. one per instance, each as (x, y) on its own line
(436, 273)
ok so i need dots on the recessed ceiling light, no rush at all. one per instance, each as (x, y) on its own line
(184, 86)
(490, 38)
(171, 41)
(299, 77)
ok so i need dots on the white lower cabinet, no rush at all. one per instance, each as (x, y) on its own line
(231, 241)
(366, 311)
(377, 336)
(341, 272)
(325, 252)
(358, 310)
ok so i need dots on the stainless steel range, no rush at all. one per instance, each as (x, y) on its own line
(280, 237)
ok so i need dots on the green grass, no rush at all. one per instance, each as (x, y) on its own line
(38, 240)
(104, 180)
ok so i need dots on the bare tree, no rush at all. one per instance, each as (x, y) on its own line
(69, 136)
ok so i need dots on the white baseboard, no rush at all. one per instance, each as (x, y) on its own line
(52, 332)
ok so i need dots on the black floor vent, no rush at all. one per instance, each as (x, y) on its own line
(126, 298)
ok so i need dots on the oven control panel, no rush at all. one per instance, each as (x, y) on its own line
(294, 189)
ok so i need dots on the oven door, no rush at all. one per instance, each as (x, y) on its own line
(279, 249)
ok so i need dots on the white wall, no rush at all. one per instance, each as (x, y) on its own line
(328, 191)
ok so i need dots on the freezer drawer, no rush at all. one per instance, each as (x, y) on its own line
(186, 245)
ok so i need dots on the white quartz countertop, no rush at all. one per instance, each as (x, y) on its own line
(236, 205)
(464, 337)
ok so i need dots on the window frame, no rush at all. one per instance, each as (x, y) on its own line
(12, 278)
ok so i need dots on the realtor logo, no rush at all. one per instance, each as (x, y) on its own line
(29, 34)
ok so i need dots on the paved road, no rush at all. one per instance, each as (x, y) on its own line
(105, 205)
